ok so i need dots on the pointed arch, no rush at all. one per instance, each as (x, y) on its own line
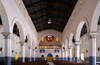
(70, 38)
(29, 38)
(94, 22)
(4, 17)
(20, 27)
(66, 43)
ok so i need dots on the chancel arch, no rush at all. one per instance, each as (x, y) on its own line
(49, 32)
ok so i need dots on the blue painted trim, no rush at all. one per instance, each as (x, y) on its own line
(59, 58)
(97, 59)
(29, 59)
(86, 58)
(1, 59)
(91, 60)
(37, 58)
(7, 61)
(22, 60)
(33, 59)
(63, 58)
(70, 59)
(77, 59)
(66, 59)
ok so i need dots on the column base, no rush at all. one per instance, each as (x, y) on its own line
(66, 59)
(70, 59)
(7, 61)
(77, 59)
(29, 59)
(92, 60)
(33, 59)
(22, 60)
(59, 59)
(63, 58)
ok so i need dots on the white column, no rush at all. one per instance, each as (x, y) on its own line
(63, 54)
(33, 54)
(22, 51)
(92, 48)
(7, 50)
(66, 54)
(45, 56)
(77, 50)
(70, 54)
(29, 53)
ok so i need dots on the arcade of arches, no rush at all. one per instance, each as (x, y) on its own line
(69, 30)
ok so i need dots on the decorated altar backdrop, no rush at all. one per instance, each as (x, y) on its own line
(49, 51)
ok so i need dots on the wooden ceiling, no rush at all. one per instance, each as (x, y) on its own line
(58, 11)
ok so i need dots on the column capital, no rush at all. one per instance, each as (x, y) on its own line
(7, 35)
(77, 43)
(33, 49)
(29, 47)
(92, 35)
(66, 49)
(70, 47)
(22, 43)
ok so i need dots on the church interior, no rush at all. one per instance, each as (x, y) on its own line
(49, 32)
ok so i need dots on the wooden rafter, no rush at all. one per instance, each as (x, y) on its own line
(49, 12)
(55, 18)
(34, 5)
(53, 23)
(50, 26)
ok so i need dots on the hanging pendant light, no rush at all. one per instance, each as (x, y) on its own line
(49, 21)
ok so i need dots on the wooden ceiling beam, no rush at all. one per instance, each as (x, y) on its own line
(57, 23)
(49, 25)
(55, 18)
(45, 21)
(49, 12)
(60, 4)
(33, 6)
(39, 19)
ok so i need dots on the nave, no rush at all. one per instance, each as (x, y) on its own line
(59, 31)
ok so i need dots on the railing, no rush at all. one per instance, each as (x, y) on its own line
(49, 47)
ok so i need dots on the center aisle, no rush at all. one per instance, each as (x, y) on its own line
(50, 63)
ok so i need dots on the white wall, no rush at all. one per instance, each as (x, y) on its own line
(85, 45)
(1, 42)
(46, 43)
(38, 54)
(14, 44)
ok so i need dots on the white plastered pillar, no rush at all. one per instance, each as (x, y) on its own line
(63, 53)
(77, 51)
(92, 48)
(66, 54)
(70, 53)
(7, 46)
(22, 51)
(33, 54)
(29, 53)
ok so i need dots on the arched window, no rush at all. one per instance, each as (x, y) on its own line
(0, 21)
(16, 30)
(84, 30)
